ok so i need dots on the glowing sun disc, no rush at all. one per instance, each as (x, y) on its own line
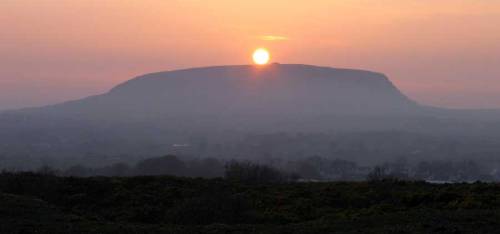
(261, 56)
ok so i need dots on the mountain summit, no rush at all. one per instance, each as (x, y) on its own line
(244, 91)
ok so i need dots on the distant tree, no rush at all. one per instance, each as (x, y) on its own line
(47, 170)
(423, 170)
(247, 172)
(308, 170)
(78, 170)
(378, 174)
(166, 165)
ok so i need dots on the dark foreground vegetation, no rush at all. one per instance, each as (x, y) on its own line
(38, 203)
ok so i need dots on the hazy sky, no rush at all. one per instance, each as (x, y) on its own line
(444, 52)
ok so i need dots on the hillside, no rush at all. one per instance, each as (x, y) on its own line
(217, 111)
(241, 93)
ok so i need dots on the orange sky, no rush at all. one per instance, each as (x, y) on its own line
(444, 52)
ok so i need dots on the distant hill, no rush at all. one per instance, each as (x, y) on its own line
(243, 91)
(211, 111)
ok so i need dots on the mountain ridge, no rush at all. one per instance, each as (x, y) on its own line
(258, 71)
(241, 89)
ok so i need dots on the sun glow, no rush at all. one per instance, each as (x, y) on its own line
(261, 56)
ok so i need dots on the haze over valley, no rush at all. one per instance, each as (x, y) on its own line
(262, 116)
(276, 112)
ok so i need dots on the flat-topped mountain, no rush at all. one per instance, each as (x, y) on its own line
(228, 110)
(244, 91)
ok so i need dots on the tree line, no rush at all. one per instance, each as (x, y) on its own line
(308, 169)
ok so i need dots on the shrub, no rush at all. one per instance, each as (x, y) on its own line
(247, 172)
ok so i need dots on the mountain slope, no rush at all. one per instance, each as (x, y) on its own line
(243, 91)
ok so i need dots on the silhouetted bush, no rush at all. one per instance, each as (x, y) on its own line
(166, 165)
(380, 174)
(248, 172)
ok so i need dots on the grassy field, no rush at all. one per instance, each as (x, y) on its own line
(33, 203)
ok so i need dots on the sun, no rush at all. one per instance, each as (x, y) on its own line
(261, 56)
